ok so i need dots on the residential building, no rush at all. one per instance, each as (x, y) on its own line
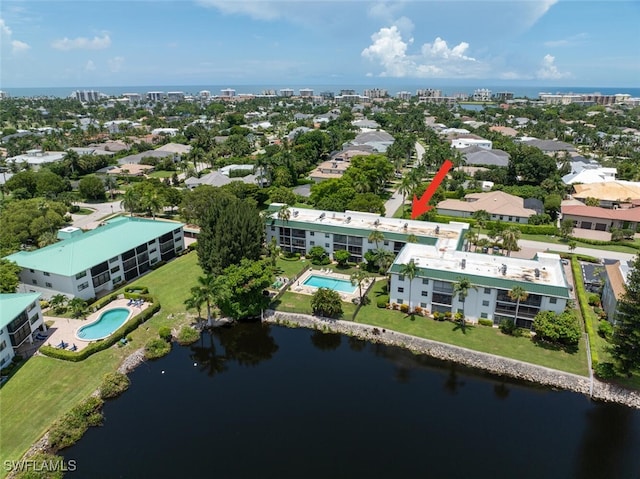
(404, 95)
(3, 95)
(175, 96)
(155, 96)
(306, 92)
(601, 219)
(615, 280)
(227, 93)
(350, 230)
(87, 96)
(588, 171)
(36, 157)
(286, 92)
(329, 169)
(482, 94)
(476, 155)
(610, 194)
(20, 319)
(500, 205)
(375, 93)
(504, 96)
(492, 278)
(379, 140)
(89, 265)
(132, 97)
(468, 141)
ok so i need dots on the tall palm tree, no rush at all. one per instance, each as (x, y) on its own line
(152, 202)
(195, 301)
(383, 259)
(376, 236)
(406, 188)
(472, 238)
(517, 294)
(111, 184)
(461, 289)
(284, 213)
(410, 270)
(357, 278)
(205, 293)
(273, 251)
(481, 217)
(131, 200)
(412, 238)
(510, 237)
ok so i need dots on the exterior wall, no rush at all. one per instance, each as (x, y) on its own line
(590, 223)
(6, 351)
(467, 142)
(49, 284)
(469, 214)
(20, 330)
(480, 303)
(609, 300)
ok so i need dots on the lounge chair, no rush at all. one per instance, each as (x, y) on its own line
(62, 345)
(73, 348)
(130, 302)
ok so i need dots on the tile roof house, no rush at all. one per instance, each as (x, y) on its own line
(475, 155)
(501, 206)
(601, 219)
(609, 193)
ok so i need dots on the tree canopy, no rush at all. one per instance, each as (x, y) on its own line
(9, 276)
(241, 287)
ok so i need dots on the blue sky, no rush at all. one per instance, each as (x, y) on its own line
(111, 43)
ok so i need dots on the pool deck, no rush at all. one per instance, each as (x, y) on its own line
(64, 329)
(300, 287)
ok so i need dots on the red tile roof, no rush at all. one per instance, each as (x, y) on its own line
(630, 214)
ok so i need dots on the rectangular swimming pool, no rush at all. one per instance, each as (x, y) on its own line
(342, 285)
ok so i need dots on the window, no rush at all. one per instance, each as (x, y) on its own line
(117, 279)
(34, 318)
(48, 285)
(386, 243)
(425, 280)
(154, 260)
(84, 285)
(425, 293)
(153, 250)
(312, 233)
(115, 269)
(401, 277)
(553, 300)
(484, 315)
(423, 305)
(485, 303)
(151, 242)
(81, 275)
(113, 260)
(400, 301)
(326, 235)
(326, 245)
(312, 243)
(487, 290)
(34, 281)
(3, 345)
(400, 289)
(273, 228)
(47, 273)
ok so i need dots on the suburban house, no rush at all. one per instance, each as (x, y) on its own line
(601, 219)
(306, 228)
(500, 206)
(615, 279)
(379, 140)
(467, 141)
(221, 177)
(37, 157)
(20, 318)
(492, 278)
(610, 194)
(329, 169)
(90, 264)
(476, 155)
(588, 171)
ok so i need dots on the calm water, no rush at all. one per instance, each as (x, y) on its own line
(272, 402)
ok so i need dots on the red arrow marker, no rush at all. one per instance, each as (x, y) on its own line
(421, 206)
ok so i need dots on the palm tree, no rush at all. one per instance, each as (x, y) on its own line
(111, 184)
(152, 202)
(461, 288)
(47, 238)
(284, 213)
(383, 259)
(205, 292)
(481, 217)
(58, 303)
(376, 236)
(131, 201)
(194, 302)
(517, 294)
(78, 307)
(357, 278)
(510, 237)
(472, 238)
(273, 251)
(412, 238)
(410, 270)
(406, 188)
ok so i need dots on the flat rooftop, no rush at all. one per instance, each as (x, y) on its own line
(543, 275)
(447, 235)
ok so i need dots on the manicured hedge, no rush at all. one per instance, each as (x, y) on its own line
(630, 244)
(587, 314)
(103, 344)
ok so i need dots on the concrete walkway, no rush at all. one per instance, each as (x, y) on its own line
(101, 210)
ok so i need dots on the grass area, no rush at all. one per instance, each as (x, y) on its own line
(301, 303)
(83, 211)
(479, 338)
(399, 213)
(289, 268)
(620, 248)
(53, 387)
(161, 174)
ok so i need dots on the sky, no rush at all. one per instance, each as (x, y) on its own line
(95, 43)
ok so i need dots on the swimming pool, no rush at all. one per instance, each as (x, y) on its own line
(105, 325)
(342, 285)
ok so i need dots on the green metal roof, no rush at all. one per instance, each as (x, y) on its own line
(12, 304)
(79, 253)
(345, 230)
(489, 281)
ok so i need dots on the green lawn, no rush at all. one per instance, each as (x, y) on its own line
(44, 389)
(301, 303)
(289, 268)
(620, 248)
(161, 174)
(479, 338)
(83, 211)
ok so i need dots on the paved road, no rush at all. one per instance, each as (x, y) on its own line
(92, 220)
(598, 253)
(393, 203)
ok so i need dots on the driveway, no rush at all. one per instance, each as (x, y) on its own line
(101, 211)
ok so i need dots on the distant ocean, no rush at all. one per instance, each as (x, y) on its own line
(519, 91)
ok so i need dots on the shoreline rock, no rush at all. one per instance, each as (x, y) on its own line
(498, 365)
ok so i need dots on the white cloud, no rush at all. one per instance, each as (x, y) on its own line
(90, 66)
(82, 43)
(115, 64)
(4, 28)
(18, 47)
(435, 59)
(258, 10)
(565, 42)
(549, 70)
(536, 10)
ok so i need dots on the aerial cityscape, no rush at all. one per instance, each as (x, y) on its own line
(319, 239)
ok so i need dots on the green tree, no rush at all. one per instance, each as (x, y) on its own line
(280, 194)
(284, 213)
(518, 294)
(9, 276)
(358, 278)
(572, 245)
(78, 307)
(410, 271)
(481, 217)
(24, 222)
(273, 251)
(110, 183)
(91, 188)
(626, 333)
(326, 302)
(566, 227)
(58, 303)
(152, 202)
(132, 200)
(341, 256)
(241, 289)
(317, 255)
(560, 328)
(376, 236)
(205, 292)
(510, 237)
(461, 288)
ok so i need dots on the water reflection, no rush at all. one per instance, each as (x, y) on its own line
(326, 341)
(501, 391)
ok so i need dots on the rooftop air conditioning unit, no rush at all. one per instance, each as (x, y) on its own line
(322, 215)
(463, 263)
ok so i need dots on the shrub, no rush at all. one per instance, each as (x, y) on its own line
(485, 322)
(605, 329)
(404, 308)
(394, 306)
(187, 335)
(70, 428)
(57, 466)
(289, 256)
(382, 301)
(594, 299)
(165, 333)
(447, 315)
(605, 370)
(193, 246)
(436, 316)
(113, 384)
(508, 326)
(156, 348)
(418, 310)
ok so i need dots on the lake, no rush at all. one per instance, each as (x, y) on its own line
(258, 401)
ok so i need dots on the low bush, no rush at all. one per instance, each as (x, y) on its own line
(165, 333)
(187, 335)
(605, 329)
(137, 289)
(50, 467)
(70, 428)
(508, 326)
(485, 322)
(605, 371)
(404, 308)
(193, 246)
(156, 348)
(594, 299)
(382, 301)
(113, 384)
